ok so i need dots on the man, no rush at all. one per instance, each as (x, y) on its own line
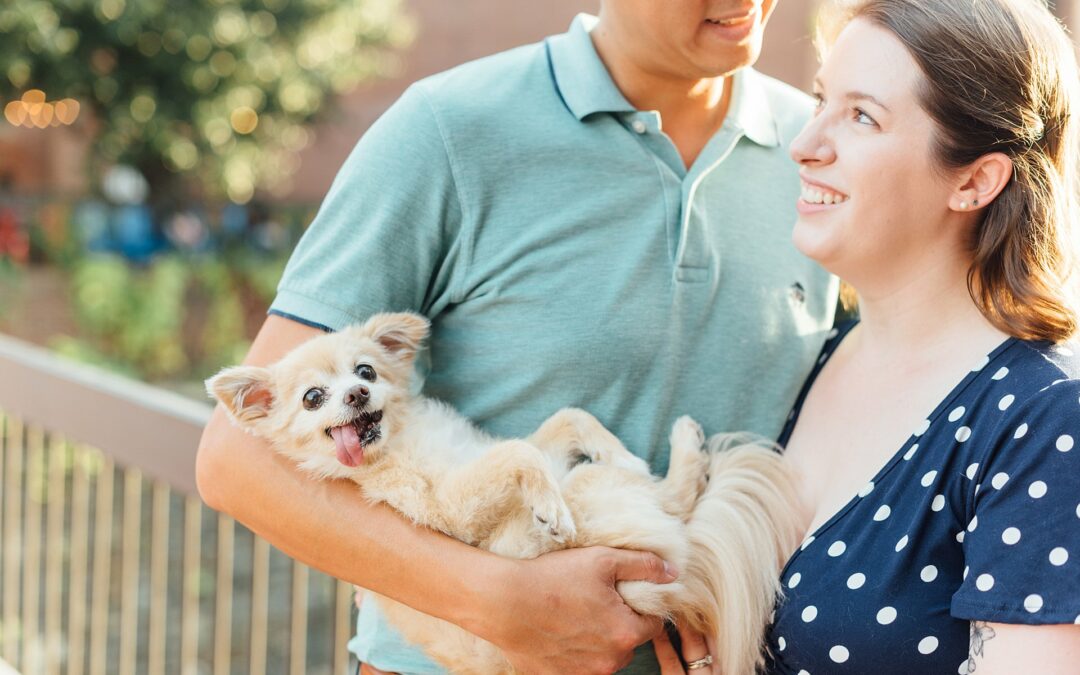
(603, 220)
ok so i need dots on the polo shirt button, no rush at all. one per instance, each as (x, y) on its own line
(639, 126)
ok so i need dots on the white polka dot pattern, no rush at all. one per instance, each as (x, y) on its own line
(1059, 556)
(1033, 603)
(839, 654)
(1037, 490)
(996, 469)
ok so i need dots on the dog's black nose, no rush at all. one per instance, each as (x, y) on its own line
(357, 397)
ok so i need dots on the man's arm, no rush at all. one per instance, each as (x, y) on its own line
(558, 613)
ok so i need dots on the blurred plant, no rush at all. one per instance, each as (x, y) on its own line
(218, 89)
(133, 316)
(179, 319)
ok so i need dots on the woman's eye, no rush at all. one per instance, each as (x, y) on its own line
(313, 398)
(819, 102)
(862, 118)
(366, 372)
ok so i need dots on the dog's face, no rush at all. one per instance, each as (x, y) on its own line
(333, 401)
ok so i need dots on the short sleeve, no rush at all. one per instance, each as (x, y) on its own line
(386, 235)
(1022, 544)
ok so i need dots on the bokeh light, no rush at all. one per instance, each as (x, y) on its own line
(33, 111)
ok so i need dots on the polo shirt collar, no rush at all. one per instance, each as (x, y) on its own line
(750, 110)
(583, 81)
(586, 86)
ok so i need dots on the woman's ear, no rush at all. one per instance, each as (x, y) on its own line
(982, 182)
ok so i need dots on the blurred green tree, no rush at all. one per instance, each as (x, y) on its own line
(217, 90)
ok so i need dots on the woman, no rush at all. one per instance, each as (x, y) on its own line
(937, 436)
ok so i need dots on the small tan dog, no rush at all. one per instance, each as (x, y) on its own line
(340, 406)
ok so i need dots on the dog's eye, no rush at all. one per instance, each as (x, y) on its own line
(313, 398)
(365, 372)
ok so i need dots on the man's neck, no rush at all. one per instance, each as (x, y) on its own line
(691, 109)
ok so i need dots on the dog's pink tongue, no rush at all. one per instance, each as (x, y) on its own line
(350, 451)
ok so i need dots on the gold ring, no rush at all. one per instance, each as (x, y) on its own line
(700, 663)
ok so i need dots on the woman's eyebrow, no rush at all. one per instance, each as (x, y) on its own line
(862, 96)
(853, 95)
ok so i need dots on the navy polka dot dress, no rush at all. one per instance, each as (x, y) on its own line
(975, 518)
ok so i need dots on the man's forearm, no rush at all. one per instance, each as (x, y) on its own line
(329, 526)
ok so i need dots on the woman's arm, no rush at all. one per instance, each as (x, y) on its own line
(1008, 648)
(558, 613)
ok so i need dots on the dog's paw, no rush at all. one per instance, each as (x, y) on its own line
(553, 520)
(687, 434)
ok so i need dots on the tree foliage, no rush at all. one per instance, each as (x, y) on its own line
(221, 90)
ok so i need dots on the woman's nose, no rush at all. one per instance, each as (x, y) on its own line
(813, 145)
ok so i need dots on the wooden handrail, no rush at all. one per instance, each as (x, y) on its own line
(141, 426)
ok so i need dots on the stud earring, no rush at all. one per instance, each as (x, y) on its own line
(975, 203)
(963, 206)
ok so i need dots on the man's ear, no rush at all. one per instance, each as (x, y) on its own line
(244, 391)
(400, 333)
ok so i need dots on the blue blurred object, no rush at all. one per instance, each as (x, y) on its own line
(91, 220)
(234, 222)
(133, 226)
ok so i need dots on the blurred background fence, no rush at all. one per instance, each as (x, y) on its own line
(111, 564)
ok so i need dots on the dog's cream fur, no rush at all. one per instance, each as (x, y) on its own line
(723, 516)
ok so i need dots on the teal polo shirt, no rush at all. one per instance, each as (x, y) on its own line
(567, 257)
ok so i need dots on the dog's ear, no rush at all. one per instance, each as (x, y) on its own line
(244, 391)
(399, 333)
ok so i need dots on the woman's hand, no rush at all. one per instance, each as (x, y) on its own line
(560, 613)
(695, 650)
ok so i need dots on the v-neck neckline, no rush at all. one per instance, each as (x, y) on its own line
(905, 448)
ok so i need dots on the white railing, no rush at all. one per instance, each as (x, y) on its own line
(110, 563)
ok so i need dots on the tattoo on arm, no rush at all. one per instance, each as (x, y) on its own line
(981, 632)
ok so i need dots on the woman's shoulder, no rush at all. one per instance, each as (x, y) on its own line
(1037, 374)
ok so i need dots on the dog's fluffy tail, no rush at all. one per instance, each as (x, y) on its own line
(741, 530)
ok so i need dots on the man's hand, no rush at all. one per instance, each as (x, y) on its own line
(560, 613)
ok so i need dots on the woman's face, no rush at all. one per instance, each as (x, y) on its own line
(874, 202)
(689, 39)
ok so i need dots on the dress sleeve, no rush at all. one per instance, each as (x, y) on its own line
(1022, 545)
(386, 235)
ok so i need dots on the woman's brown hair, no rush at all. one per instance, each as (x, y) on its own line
(1000, 76)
